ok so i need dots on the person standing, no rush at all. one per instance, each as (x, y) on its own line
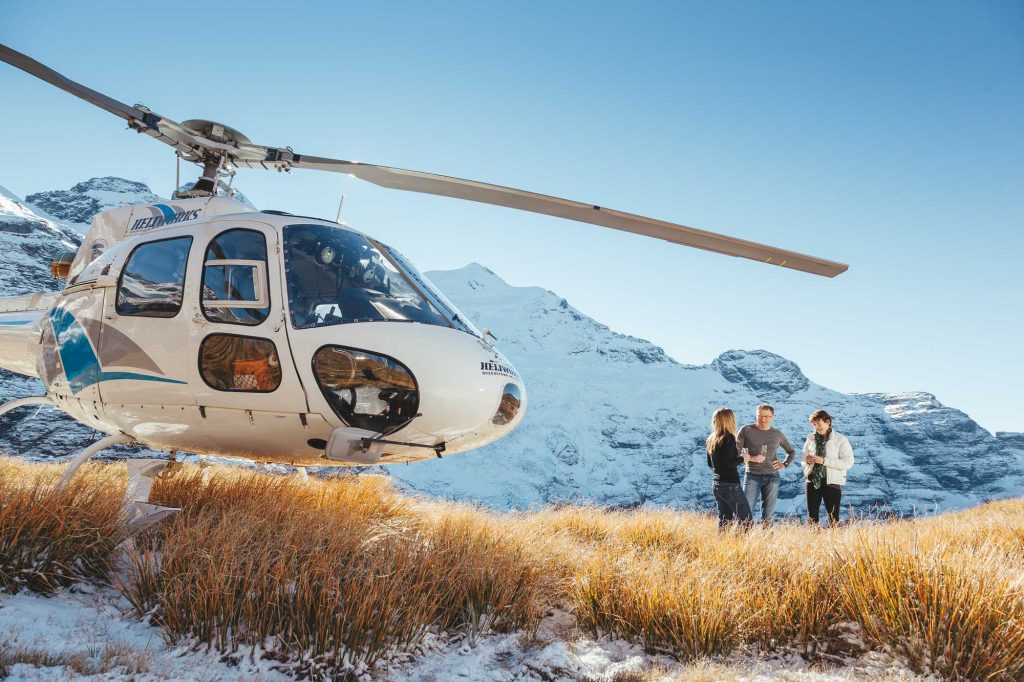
(828, 455)
(762, 477)
(723, 457)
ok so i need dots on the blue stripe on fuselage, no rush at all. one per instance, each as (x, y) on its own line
(81, 366)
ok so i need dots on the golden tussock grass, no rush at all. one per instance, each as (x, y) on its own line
(50, 537)
(331, 575)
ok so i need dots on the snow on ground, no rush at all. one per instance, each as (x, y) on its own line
(86, 633)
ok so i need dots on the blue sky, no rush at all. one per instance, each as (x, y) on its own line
(886, 135)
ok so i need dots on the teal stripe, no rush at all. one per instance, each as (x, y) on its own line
(167, 211)
(114, 376)
(81, 366)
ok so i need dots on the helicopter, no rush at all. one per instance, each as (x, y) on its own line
(204, 325)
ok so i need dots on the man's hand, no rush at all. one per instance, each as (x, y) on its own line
(778, 465)
(756, 459)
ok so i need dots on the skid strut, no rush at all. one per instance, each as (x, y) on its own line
(85, 455)
(20, 402)
(139, 513)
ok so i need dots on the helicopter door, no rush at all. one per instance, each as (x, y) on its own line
(145, 384)
(247, 383)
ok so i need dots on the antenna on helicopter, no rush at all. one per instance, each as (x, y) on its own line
(337, 218)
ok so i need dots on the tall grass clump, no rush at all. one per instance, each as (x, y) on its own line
(705, 593)
(50, 537)
(944, 592)
(327, 575)
(959, 614)
(658, 601)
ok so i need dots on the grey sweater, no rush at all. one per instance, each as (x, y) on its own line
(753, 438)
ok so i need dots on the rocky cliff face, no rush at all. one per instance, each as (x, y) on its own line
(612, 419)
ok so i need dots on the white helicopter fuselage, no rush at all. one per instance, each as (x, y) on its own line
(206, 326)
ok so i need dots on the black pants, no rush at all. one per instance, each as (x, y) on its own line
(831, 494)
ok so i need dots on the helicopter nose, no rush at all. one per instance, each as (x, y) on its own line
(484, 401)
(470, 394)
(453, 391)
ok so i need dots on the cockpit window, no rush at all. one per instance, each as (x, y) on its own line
(439, 300)
(336, 276)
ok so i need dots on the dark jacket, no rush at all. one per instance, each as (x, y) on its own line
(724, 459)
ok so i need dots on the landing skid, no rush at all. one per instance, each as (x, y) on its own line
(140, 514)
(85, 455)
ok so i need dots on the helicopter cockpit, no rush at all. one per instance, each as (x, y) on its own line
(338, 276)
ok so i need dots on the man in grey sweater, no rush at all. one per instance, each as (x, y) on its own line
(763, 477)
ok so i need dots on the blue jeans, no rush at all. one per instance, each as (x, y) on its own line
(768, 486)
(732, 505)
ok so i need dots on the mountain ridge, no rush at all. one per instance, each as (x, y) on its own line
(613, 419)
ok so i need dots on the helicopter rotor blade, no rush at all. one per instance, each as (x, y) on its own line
(198, 144)
(45, 73)
(139, 119)
(191, 144)
(471, 190)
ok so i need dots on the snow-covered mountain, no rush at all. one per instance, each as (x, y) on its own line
(28, 244)
(612, 419)
(77, 206)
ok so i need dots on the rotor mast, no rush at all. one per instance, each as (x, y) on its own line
(216, 162)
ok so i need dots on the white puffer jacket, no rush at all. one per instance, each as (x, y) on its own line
(838, 457)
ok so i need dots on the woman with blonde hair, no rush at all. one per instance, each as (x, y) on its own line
(724, 458)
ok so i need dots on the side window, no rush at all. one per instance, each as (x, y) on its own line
(153, 280)
(235, 289)
(239, 363)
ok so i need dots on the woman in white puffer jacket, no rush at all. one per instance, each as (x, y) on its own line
(827, 457)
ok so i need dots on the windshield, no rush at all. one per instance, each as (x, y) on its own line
(439, 300)
(336, 276)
